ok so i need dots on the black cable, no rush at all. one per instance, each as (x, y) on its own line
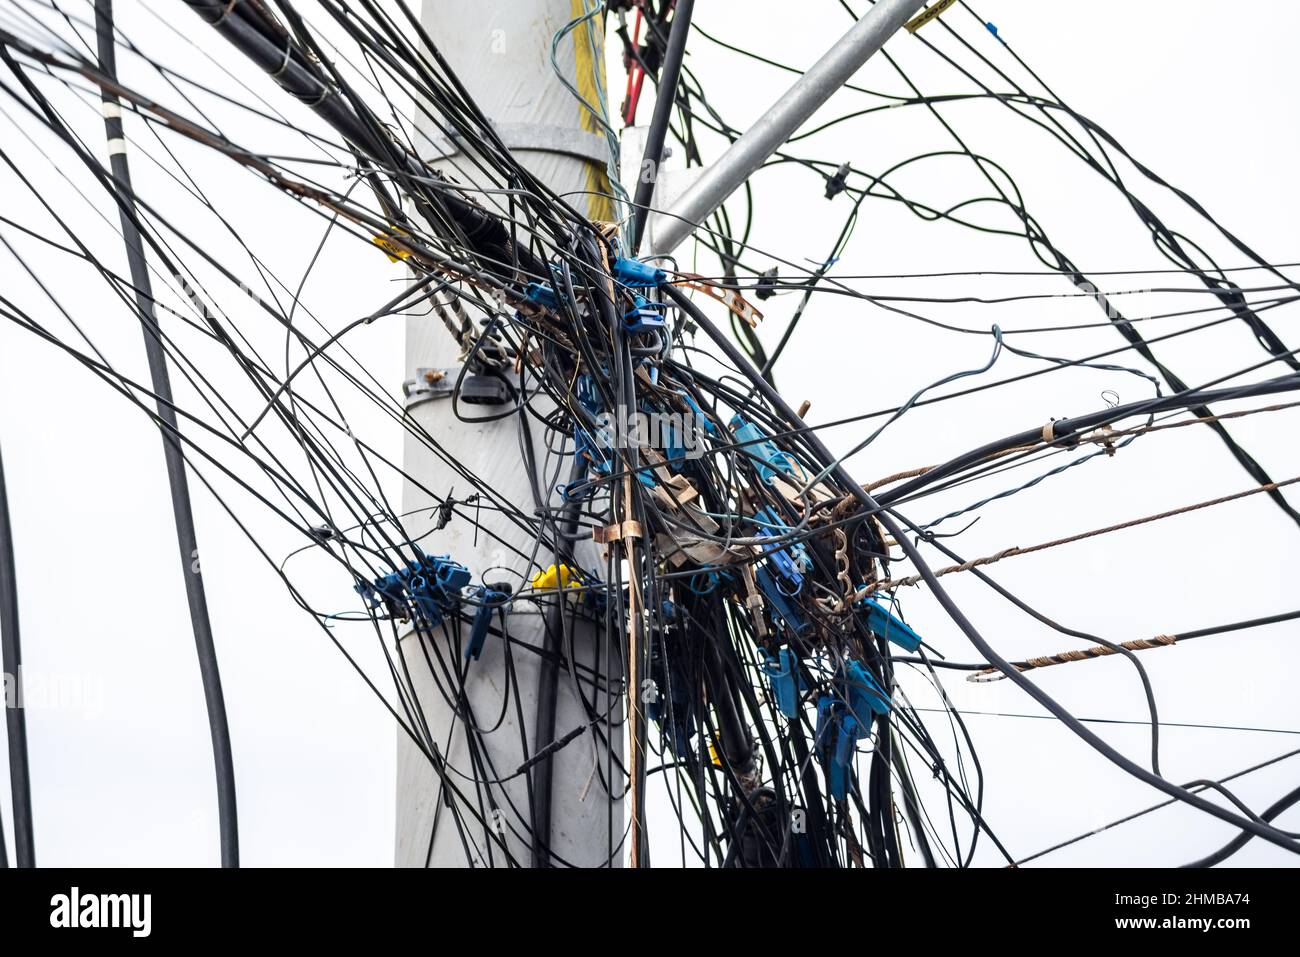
(1068, 430)
(1242, 839)
(20, 785)
(554, 638)
(912, 808)
(665, 98)
(185, 534)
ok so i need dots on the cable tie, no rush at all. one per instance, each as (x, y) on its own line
(288, 48)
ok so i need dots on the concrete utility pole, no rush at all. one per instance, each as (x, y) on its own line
(502, 50)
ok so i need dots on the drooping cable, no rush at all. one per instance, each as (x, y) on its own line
(186, 537)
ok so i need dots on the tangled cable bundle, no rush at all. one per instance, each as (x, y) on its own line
(746, 590)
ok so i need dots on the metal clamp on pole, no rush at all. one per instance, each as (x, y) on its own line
(428, 384)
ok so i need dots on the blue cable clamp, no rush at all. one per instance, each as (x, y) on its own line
(368, 594)
(790, 561)
(432, 583)
(887, 625)
(835, 740)
(652, 370)
(865, 696)
(786, 680)
(825, 715)
(842, 757)
(602, 460)
(633, 272)
(451, 576)
(425, 597)
(490, 598)
(784, 566)
(387, 590)
(786, 610)
(643, 315)
(438, 582)
(755, 444)
(584, 443)
(542, 294)
(588, 394)
(675, 447)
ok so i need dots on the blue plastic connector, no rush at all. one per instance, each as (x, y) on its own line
(490, 599)
(842, 757)
(755, 444)
(436, 588)
(785, 567)
(790, 561)
(542, 294)
(885, 624)
(585, 444)
(602, 460)
(451, 576)
(785, 608)
(835, 740)
(864, 694)
(825, 716)
(431, 584)
(783, 672)
(674, 447)
(643, 315)
(588, 394)
(633, 272)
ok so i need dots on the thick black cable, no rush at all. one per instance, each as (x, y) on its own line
(186, 537)
(20, 785)
(665, 98)
(1240, 841)
(548, 686)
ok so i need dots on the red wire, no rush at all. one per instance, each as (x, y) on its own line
(633, 94)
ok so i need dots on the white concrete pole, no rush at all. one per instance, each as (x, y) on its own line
(501, 50)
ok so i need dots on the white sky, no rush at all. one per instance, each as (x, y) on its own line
(1203, 98)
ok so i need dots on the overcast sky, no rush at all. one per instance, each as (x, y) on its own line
(1201, 93)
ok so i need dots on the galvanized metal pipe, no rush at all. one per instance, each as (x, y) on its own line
(776, 126)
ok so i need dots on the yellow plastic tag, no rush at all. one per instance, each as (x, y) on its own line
(925, 16)
(394, 252)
